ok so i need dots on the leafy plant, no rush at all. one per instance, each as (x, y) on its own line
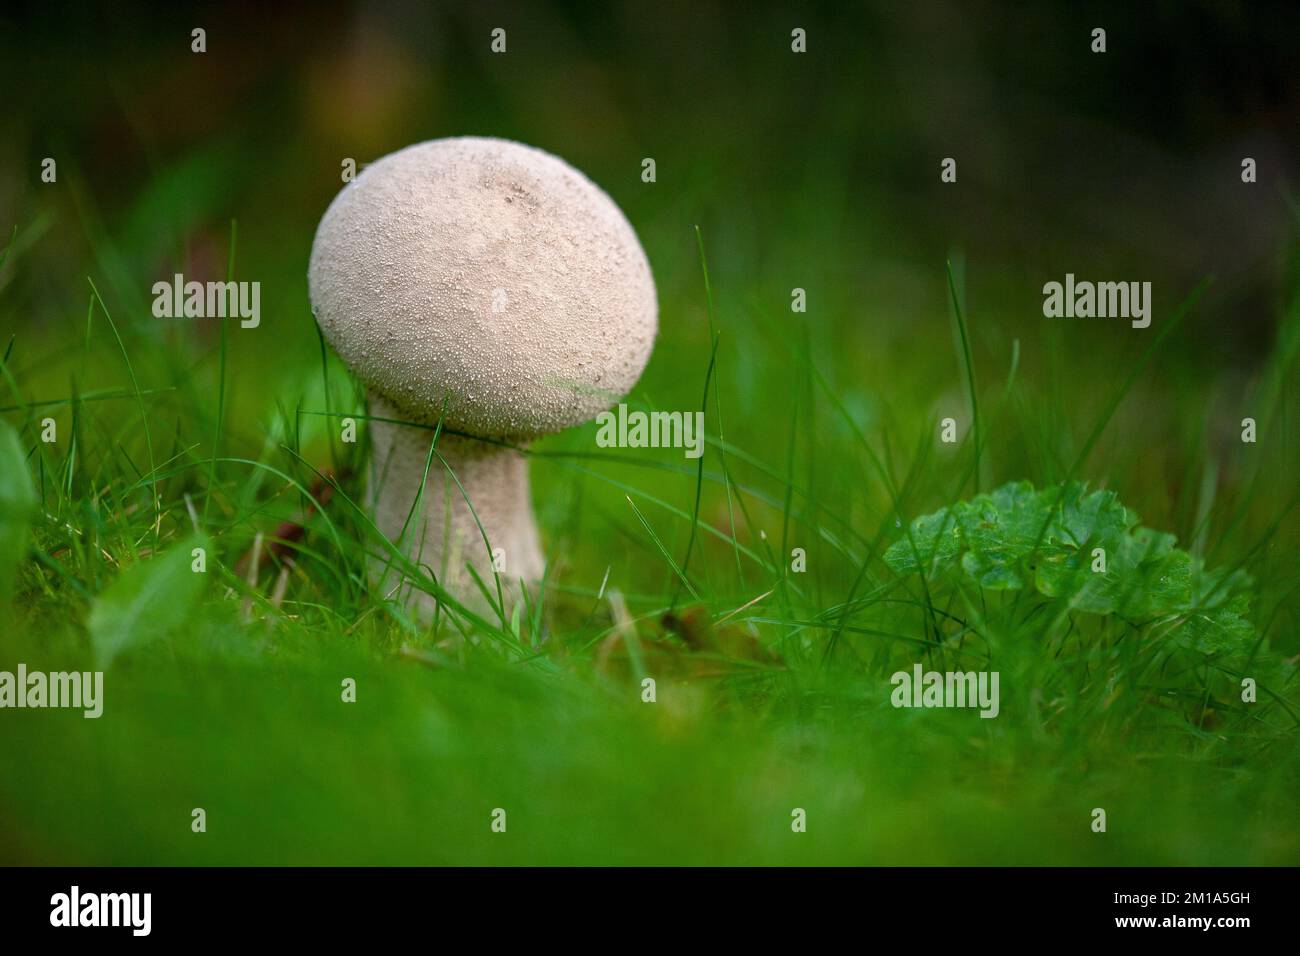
(1085, 550)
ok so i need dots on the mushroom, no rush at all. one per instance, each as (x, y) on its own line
(491, 287)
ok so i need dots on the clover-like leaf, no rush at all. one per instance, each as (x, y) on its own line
(1008, 521)
(1224, 630)
(932, 545)
(1086, 549)
(1094, 520)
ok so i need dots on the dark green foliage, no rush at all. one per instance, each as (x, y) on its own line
(1060, 539)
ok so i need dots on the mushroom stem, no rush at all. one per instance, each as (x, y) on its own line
(442, 534)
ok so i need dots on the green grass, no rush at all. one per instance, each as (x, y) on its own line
(772, 686)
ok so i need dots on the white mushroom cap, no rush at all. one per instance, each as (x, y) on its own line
(488, 272)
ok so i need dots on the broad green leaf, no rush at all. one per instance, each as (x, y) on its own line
(937, 541)
(1069, 574)
(17, 505)
(1006, 522)
(1139, 573)
(1148, 545)
(1160, 586)
(1095, 520)
(148, 601)
(1000, 530)
(1225, 630)
(993, 571)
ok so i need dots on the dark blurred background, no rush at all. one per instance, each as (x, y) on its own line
(1122, 163)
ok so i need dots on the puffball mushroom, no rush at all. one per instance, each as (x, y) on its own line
(492, 286)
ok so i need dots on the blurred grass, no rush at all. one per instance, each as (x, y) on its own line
(773, 687)
(413, 770)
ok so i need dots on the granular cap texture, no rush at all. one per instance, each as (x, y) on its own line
(488, 274)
